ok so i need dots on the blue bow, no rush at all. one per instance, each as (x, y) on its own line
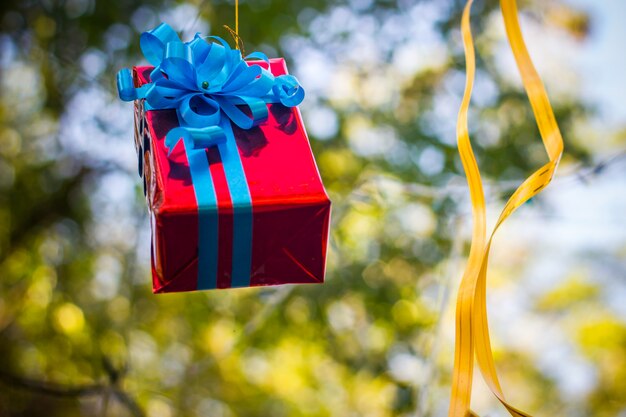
(204, 81)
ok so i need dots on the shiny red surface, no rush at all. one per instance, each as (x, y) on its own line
(290, 207)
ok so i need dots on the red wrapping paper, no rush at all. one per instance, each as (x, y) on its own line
(291, 210)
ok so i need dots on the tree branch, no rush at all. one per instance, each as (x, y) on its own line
(69, 391)
(53, 389)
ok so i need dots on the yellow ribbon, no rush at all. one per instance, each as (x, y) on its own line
(472, 330)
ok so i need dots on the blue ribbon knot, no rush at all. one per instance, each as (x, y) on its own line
(205, 81)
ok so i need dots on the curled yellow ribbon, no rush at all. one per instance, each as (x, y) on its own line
(472, 330)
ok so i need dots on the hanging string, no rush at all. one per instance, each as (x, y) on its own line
(235, 33)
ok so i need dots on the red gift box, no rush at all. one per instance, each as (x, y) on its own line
(282, 238)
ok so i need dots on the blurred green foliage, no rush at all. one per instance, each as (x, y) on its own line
(81, 332)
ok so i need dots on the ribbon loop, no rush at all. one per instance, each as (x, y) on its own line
(197, 110)
(194, 138)
(205, 80)
(153, 43)
(258, 55)
(288, 90)
(178, 64)
(257, 108)
(125, 85)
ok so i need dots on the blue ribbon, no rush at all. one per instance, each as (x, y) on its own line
(211, 86)
(205, 81)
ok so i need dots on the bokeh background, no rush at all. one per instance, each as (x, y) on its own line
(81, 334)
